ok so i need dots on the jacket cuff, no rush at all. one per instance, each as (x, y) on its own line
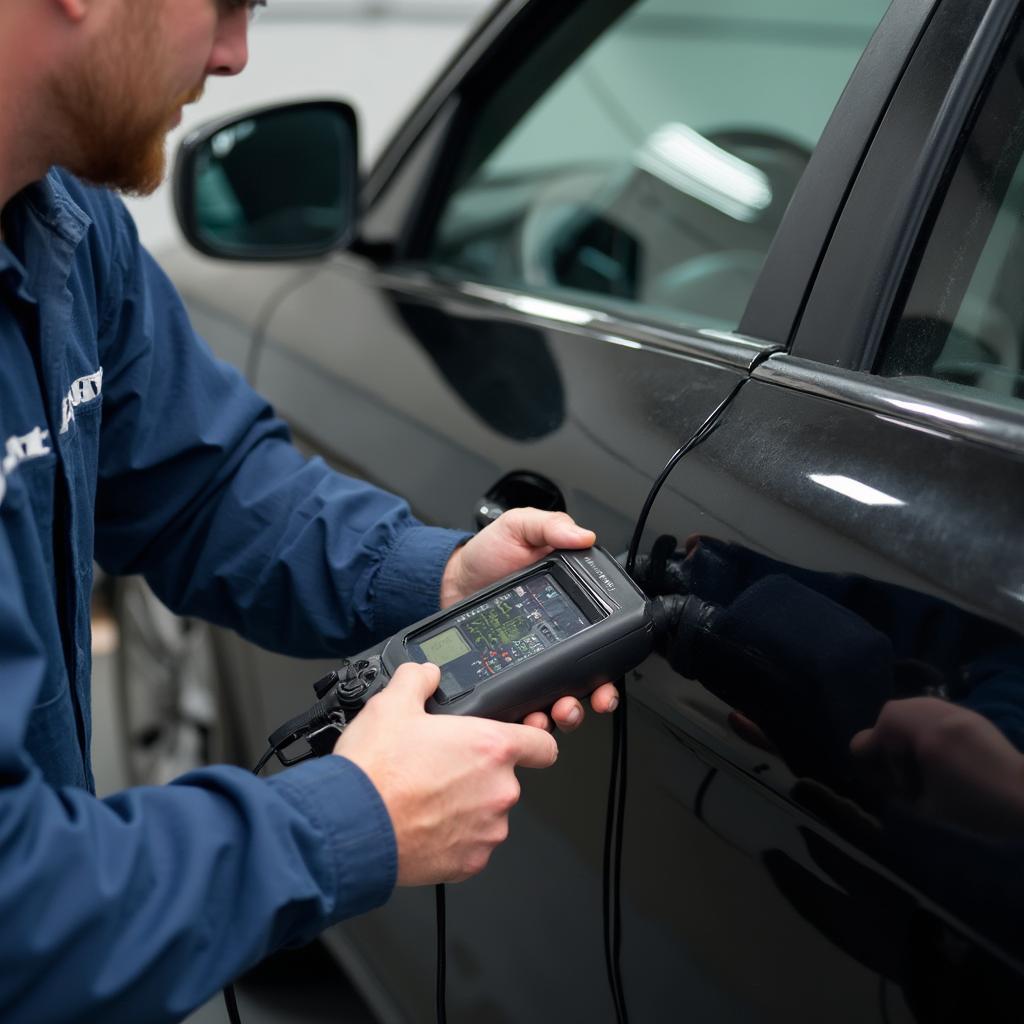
(344, 806)
(407, 586)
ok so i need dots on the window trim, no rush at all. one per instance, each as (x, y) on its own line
(723, 348)
(480, 45)
(863, 271)
(818, 201)
(914, 400)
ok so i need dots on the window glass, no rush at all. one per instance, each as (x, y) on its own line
(644, 153)
(962, 318)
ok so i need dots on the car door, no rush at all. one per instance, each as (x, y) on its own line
(543, 305)
(859, 532)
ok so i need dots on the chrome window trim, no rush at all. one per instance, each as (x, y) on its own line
(923, 402)
(488, 27)
(723, 348)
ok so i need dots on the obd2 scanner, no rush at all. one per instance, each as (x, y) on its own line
(561, 627)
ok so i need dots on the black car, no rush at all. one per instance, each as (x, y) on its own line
(799, 225)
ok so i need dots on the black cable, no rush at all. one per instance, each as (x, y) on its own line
(232, 1004)
(616, 827)
(230, 1000)
(442, 966)
(700, 435)
(618, 777)
(610, 895)
(261, 763)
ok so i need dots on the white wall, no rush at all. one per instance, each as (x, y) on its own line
(379, 55)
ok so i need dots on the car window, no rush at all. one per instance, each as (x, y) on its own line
(644, 153)
(961, 320)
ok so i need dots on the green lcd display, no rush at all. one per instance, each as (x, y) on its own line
(499, 632)
(445, 647)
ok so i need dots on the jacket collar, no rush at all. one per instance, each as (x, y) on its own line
(43, 214)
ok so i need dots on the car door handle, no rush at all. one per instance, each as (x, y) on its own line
(515, 490)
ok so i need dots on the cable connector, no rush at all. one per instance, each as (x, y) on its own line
(301, 727)
(681, 622)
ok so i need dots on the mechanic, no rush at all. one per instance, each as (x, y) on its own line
(126, 439)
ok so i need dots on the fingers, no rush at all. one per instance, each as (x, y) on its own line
(567, 713)
(529, 747)
(537, 529)
(605, 698)
(538, 720)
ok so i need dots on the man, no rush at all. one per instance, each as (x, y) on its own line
(123, 436)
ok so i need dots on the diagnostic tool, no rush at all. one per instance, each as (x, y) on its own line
(561, 627)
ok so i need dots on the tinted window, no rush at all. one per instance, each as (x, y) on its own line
(962, 318)
(644, 152)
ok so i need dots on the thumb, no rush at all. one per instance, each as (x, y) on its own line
(531, 747)
(863, 742)
(537, 529)
(415, 682)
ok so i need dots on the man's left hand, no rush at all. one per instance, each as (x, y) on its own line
(516, 539)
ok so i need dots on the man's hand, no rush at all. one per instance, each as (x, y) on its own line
(951, 763)
(448, 782)
(516, 539)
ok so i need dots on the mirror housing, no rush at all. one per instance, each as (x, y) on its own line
(277, 183)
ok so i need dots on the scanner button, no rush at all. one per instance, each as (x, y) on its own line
(449, 688)
(368, 675)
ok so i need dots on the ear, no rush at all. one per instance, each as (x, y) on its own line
(74, 10)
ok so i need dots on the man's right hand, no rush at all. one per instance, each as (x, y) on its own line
(448, 782)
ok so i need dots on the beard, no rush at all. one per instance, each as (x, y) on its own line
(116, 131)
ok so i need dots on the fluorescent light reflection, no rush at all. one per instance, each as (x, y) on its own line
(910, 425)
(926, 409)
(225, 141)
(614, 339)
(684, 159)
(850, 488)
(551, 310)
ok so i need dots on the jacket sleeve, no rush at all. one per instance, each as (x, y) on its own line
(201, 491)
(140, 906)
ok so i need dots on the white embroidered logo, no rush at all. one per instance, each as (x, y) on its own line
(81, 392)
(29, 446)
(20, 449)
(34, 444)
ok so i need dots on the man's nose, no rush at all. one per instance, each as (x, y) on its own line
(230, 51)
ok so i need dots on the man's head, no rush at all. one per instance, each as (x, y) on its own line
(127, 68)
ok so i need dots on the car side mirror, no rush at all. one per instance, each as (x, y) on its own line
(275, 184)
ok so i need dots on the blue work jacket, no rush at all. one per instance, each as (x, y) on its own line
(124, 438)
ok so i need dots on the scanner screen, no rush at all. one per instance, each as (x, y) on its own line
(505, 630)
